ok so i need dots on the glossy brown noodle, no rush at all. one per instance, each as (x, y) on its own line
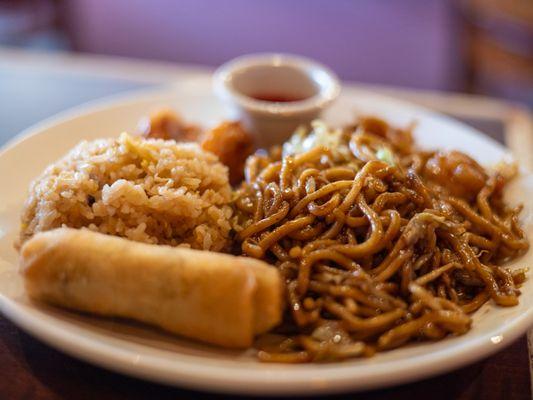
(377, 254)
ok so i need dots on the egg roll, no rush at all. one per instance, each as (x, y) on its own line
(216, 298)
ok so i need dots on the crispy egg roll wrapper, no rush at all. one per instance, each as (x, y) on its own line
(212, 297)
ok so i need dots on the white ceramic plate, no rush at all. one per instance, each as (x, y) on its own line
(146, 353)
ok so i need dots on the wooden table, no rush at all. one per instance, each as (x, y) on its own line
(32, 370)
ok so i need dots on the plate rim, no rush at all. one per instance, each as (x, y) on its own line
(338, 380)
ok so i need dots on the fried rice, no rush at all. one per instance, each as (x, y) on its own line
(147, 190)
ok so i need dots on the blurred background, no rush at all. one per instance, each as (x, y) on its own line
(473, 46)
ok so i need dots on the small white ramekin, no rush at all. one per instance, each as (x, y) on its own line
(237, 81)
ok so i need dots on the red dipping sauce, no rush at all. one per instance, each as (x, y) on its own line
(276, 98)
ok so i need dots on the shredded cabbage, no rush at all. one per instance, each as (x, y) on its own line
(320, 135)
(385, 154)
